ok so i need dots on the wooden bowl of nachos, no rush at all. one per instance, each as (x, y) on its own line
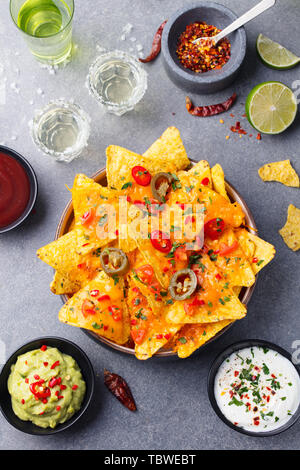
(154, 321)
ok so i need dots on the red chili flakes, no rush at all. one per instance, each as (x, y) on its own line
(74, 387)
(55, 364)
(198, 57)
(23, 401)
(254, 260)
(238, 129)
(58, 408)
(236, 373)
(258, 137)
(46, 363)
(44, 347)
(167, 336)
(218, 276)
(256, 421)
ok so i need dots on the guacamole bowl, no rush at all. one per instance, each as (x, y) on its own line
(65, 347)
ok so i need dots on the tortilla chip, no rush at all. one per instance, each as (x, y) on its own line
(166, 154)
(283, 172)
(192, 191)
(218, 179)
(199, 172)
(86, 193)
(61, 255)
(169, 149)
(234, 266)
(153, 292)
(233, 309)
(291, 231)
(237, 290)
(101, 322)
(263, 253)
(220, 302)
(87, 196)
(158, 331)
(62, 285)
(193, 336)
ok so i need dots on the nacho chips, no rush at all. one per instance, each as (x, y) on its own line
(105, 313)
(283, 172)
(185, 253)
(291, 231)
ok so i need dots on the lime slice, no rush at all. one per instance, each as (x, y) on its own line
(271, 107)
(274, 55)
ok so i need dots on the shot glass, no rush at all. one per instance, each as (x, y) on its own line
(46, 26)
(117, 81)
(61, 130)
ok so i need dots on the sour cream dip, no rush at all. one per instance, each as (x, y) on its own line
(257, 389)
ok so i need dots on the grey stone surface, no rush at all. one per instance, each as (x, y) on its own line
(173, 407)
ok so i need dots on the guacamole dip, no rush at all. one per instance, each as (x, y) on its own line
(46, 387)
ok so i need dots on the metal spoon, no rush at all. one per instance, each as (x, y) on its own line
(255, 11)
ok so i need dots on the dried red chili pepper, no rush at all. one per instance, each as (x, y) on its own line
(156, 45)
(211, 110)
(120, 389)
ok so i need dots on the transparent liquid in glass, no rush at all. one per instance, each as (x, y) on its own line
(59, 130)
(115, 82)
(43, 18)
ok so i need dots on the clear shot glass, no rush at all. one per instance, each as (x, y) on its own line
(117, 81)
(61, 129)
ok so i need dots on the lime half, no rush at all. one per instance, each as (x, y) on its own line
(274, 55)
(271, 107)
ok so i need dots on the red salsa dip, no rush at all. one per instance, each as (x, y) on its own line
(202, 58)
(14, 189)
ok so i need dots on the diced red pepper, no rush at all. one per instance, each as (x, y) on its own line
(44, 347)
(55, 364)
(103, 297)
(87, 217)
(205, 181)
(94, 292)
(74, 387)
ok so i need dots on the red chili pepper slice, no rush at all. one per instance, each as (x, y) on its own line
(87, 217)
(159, 243)
(156, 45)
(120, 389)
(226, 250)
(141, 175)
(88, 308)
(214, 228)
(211, 110)
(39, 390)
(138, 335)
